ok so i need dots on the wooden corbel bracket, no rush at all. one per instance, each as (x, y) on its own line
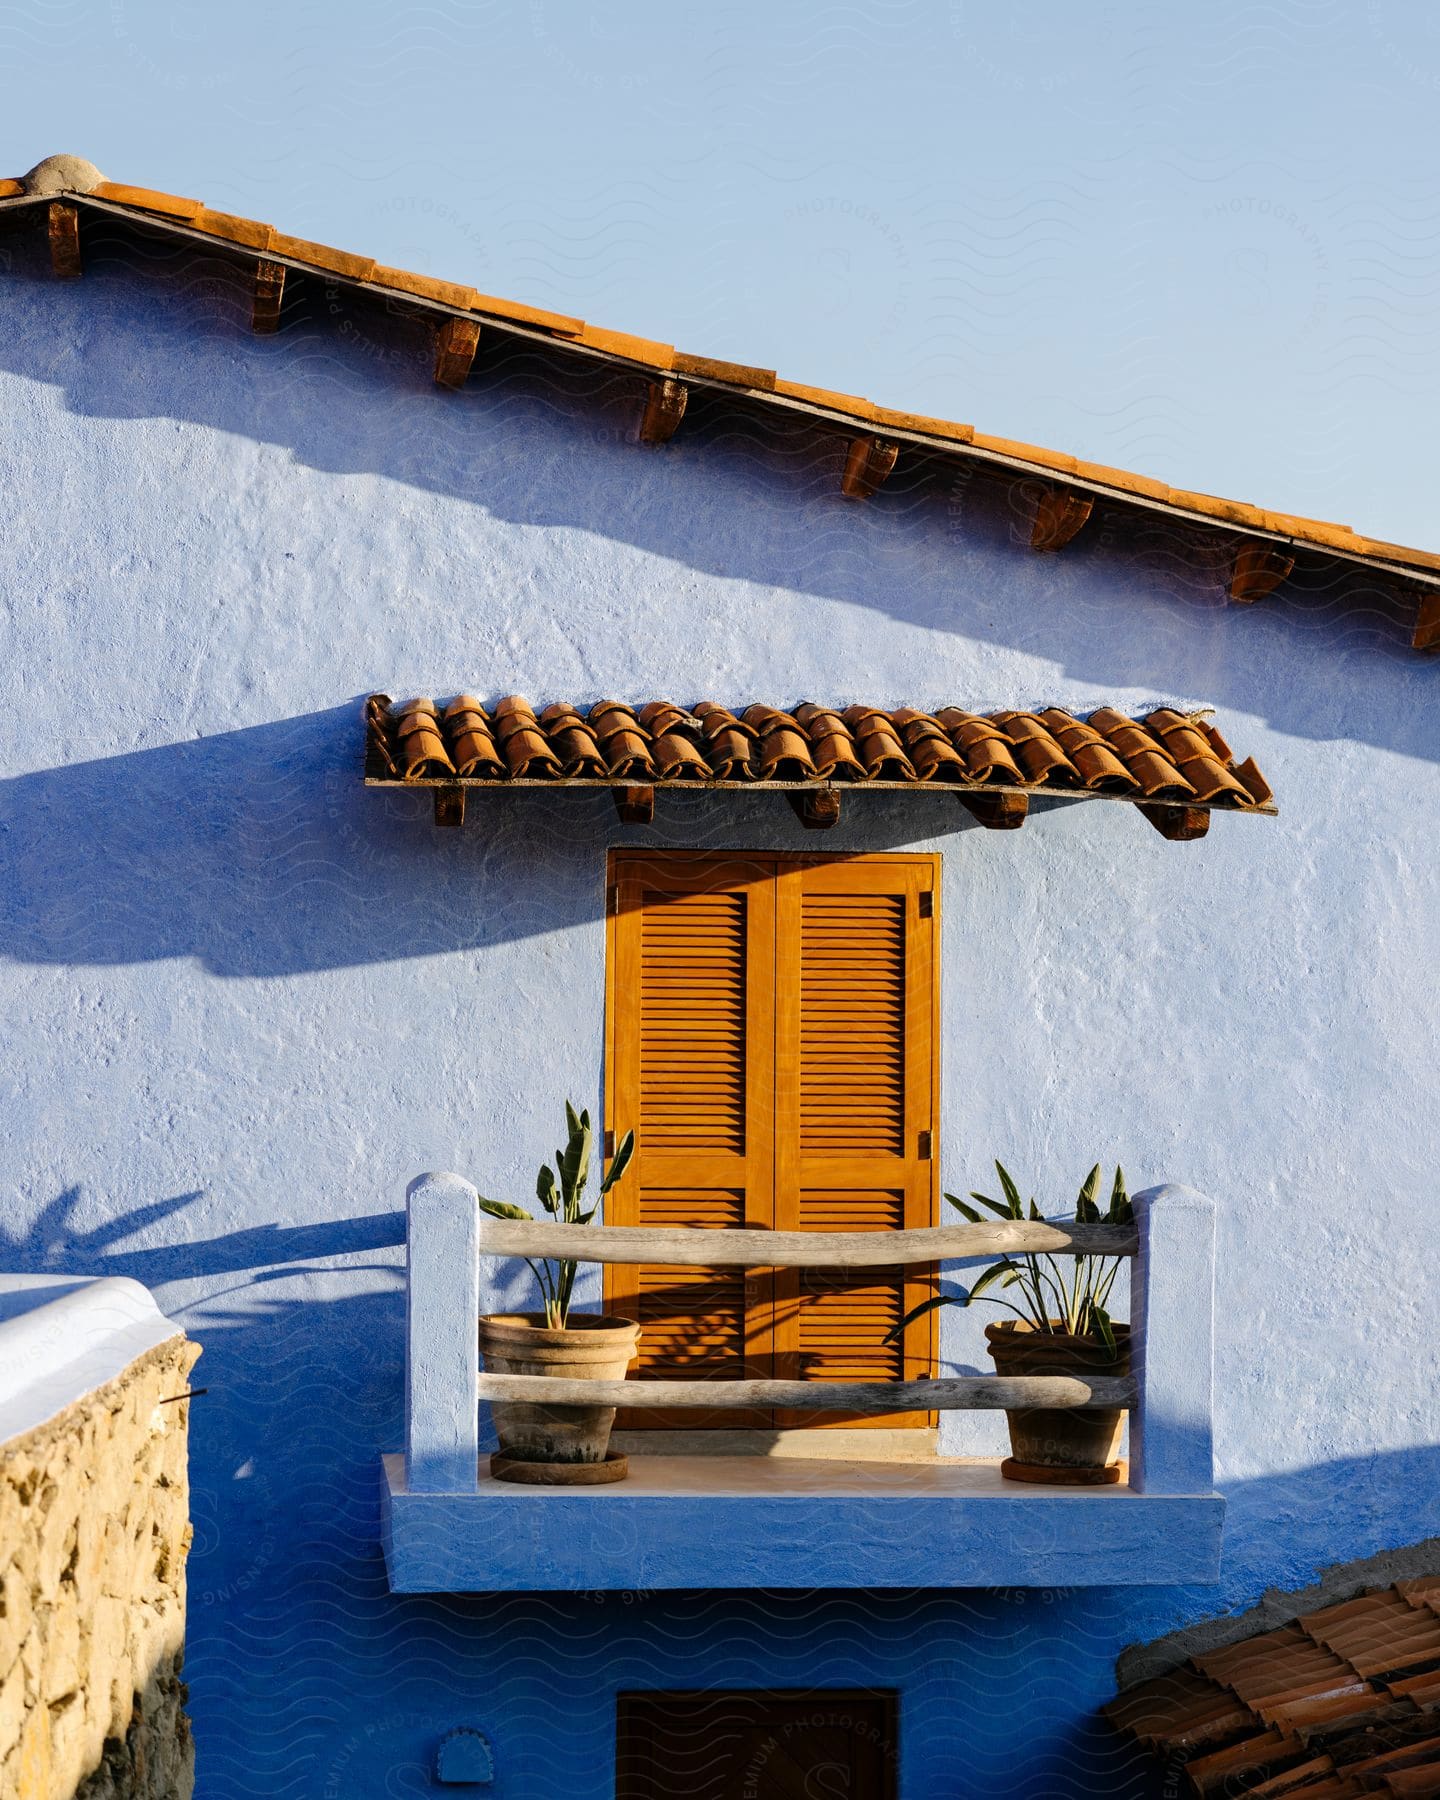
(269, 293)
(1059, 514)
(1258, 571)
(450, 806)
(868, 464)
(664, 409)
(635, 805)
(64, 227)
(997, 812)
(817, 810)
(1427, 623)
(455, 345)
(1178, 824)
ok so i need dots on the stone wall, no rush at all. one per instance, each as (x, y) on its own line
(94, 1530)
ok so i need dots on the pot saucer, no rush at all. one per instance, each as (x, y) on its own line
(615, 1467)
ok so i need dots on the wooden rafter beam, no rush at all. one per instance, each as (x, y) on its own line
(1059, 514)
(455, 345)
(1178, 824)
(1427, 623)
(997, 812)
(269, 293)
(635, 805)
(816, 811)
(64, 227)
(1257, 572)
(868, 464)
(450, 806)
(665, 403)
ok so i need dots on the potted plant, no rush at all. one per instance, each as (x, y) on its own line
(559, 1445)
(1062, 1326)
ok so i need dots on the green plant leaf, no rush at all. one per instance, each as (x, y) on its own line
(572, 1118)
(545, 1189)
(919, 1312)
(573, 1161)
(504, 1209)
(991, 1275)
(1121, 1211)
(1086, 1211)
(1035, 1212)
(1107, 1330)
(995, 1206)
(964, 1209)
(624, 1150)
(1010, 1191)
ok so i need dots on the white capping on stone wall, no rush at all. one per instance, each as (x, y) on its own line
(61, 1337)
(94, 1523)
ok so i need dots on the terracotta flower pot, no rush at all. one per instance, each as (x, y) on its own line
(1069, 1445)
(593, 1348)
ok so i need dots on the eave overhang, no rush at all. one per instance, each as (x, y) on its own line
(1065, 487)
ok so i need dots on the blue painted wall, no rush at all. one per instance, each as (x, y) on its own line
(247, 1000)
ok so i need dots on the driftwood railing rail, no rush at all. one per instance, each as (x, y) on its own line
(1171, 1245)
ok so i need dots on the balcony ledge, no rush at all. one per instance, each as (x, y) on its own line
(793, 1522)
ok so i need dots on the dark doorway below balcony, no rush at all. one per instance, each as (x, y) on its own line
(794, 1744)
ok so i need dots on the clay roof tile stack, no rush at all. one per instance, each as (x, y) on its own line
(1340, 1703)
(1166, 756)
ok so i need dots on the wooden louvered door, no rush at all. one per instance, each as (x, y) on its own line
(691, 1072)
(854, 1134)
(771, 1043)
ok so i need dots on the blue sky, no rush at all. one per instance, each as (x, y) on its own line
(1201, 242)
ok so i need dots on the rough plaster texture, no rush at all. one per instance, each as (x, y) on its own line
(95, 1530)
(257, 1000)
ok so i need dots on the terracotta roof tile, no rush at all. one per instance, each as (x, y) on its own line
(922, 422)
(662, 741)
(1423, 1591)
(1378, 1633)
(1309, 1715)
(255, 235)
(620, 343)
(1252, 1755)
(853, 404)
(174, 205)
(1179, 1711)
(739, 374)
(1034, 453)
(1299, 1778)
(448, 293)
(234, 229)
(560, 323)
(323, 256)
(1413, 1784)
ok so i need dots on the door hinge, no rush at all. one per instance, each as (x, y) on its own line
(927, 904)
(613, 897)
(609, 1146)
(923, 1148)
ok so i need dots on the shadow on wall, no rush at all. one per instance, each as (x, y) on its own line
(345, 1689)
(1137, 600)
(259, 853)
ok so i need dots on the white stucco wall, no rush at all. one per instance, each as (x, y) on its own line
(251, 1000)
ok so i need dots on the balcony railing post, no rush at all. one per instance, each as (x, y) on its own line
(442, 1306)
(1172, 1323)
